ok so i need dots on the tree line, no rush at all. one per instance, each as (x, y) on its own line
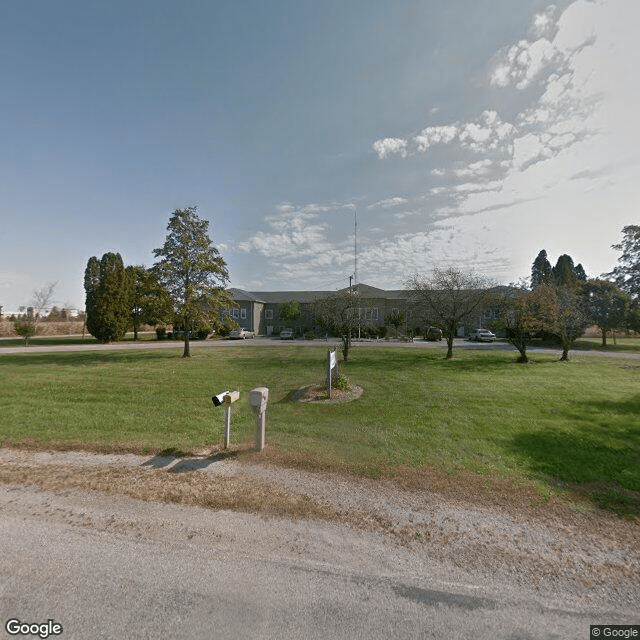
(557, 301)
(185, 287)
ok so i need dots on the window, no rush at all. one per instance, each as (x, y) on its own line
(268, 314)
(235, 313)
(243, 313)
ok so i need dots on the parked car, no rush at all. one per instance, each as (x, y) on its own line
(433, 333)
(286, 334)
(241, 334)
(482, 335)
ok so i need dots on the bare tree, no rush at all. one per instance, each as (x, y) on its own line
(42, 299)
(447, 298)
(343, 314)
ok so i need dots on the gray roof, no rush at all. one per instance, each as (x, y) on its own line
(240, 295)
(279, 297)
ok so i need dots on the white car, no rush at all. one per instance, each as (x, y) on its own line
(241, 334)
(286, 334)
(482, 335)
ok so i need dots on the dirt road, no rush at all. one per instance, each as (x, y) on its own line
(91, 542)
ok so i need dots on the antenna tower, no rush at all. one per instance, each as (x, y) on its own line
(355, 246)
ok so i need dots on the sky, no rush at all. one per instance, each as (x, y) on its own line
(465, 133)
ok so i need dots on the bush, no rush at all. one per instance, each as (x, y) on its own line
(341, 382)
(161, 333)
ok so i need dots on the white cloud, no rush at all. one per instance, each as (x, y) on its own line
(543, 22)
(435, 135)
(474, 169)
(294, 235)
(487, 133)
(390, 146)
(388, 203)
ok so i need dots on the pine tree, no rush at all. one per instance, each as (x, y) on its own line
(540, 270)
(563, 273)
(109, 289)
(193, 271)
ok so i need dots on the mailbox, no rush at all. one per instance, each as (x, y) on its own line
(231, 396)
(219, 399)
(258, 399)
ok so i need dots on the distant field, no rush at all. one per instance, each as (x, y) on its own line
(60, 340)
(44, 328)
(560, 425)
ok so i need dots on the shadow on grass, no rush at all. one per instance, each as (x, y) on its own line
(410, 360)
(598, 459)
(83, 358)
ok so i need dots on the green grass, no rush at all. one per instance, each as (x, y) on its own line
(631, 345)
(563, 426)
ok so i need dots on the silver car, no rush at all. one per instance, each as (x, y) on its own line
(241, 334)
(482, 335)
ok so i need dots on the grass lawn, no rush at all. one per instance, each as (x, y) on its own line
(632, 345)
(564, 426)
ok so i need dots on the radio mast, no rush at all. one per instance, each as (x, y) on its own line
(355, 247)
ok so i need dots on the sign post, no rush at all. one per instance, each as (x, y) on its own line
(332, 363)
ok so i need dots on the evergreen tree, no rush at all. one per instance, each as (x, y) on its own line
(108, 289)
(540, 270)
(563, 273)
(193, 272)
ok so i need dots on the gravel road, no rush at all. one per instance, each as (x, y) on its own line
(379, 561)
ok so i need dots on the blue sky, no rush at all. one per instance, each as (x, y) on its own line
(471, 133)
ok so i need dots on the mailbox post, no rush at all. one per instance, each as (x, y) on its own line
(258, 399)
(226, 398)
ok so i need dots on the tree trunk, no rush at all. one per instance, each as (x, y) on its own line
(604, 337)
(523, 355)
(449, 348)
(565, 354)
(186, 353)
(346, 343)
